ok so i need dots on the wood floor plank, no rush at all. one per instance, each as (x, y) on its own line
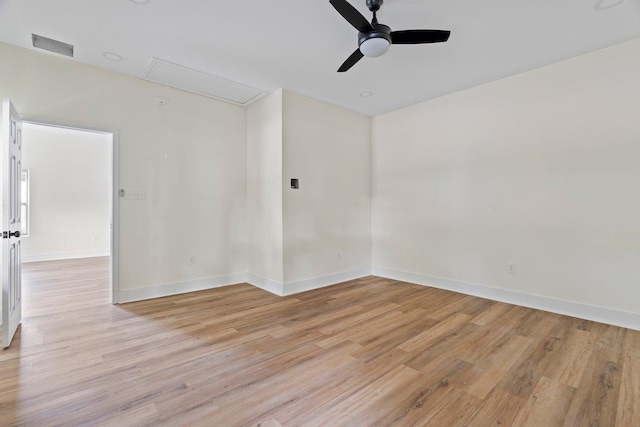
(491, 314)
(532, 365)
(500, 408)
(339, 386)
(143, 416)
(628, 413)
(578, 348)
(360, 407)
(437, 332)
(469, 305)
(370, 351)
(454, 409)
(596, 401)
(633, 341)
(457, 344)
(269, 422)
(610, 344)
(496, 363)
(547, 406)
(431, 397)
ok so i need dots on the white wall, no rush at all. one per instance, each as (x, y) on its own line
(70, 192)
(540, 169)
(189, 156)
(327, 222)
(319, 234)
(264, 192)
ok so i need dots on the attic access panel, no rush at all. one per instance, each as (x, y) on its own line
(190, 80)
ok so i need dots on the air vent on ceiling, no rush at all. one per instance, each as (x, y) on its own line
(52, 45)
(181, 77)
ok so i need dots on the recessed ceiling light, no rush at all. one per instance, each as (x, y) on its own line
(366, 94)
(607, 4)
(112, 56)
(141, 2)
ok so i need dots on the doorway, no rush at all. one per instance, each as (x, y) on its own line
(68, 204)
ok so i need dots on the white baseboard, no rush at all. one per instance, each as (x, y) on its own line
(324, 281)
(583, 311)
(569, 308)
(268, 285)
(277, 288)
(57, 257)
(305, 285)
(158, 291)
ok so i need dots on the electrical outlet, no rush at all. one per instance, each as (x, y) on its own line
(135, 194)
(338, 255)
(512, 268)
(192, 260)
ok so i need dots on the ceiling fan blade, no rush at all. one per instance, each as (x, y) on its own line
(419, 36)
(351, 61)
(352, 15)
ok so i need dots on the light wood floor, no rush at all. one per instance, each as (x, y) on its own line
(368, 352)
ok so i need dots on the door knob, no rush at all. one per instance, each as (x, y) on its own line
(14, 233)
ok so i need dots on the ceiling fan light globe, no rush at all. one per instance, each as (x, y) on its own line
(376, 46)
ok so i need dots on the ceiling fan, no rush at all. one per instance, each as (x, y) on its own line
(374, 38)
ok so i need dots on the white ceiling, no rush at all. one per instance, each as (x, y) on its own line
(299, 44)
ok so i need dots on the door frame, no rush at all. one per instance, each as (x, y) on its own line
(114, 284)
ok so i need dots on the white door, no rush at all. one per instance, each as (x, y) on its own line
(11, 221)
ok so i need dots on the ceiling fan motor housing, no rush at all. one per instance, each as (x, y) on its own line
(379, 37)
